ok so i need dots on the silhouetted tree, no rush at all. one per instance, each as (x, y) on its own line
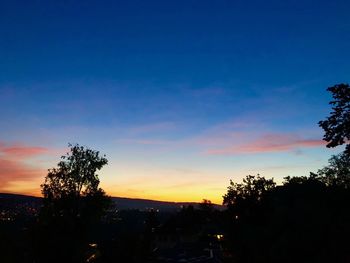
(73, 204)
(337, 172)
(206, 206)
(249, 192)
(75, 174)
(247, 208)
(337, 125)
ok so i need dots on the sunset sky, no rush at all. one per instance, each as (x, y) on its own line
(181, 96)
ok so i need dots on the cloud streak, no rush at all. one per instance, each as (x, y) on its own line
(12, 171)
(269, 143)
(13, 166)
(145, 141)
(152, 128)
(21, 151)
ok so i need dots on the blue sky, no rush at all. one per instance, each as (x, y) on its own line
(180, 95)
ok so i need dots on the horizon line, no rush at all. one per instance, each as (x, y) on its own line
(136, 198)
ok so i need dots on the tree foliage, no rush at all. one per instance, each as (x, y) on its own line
(206, 205)
(337, 172)
(251, 190)
(337, 125)
(75, 174)
(291, 222)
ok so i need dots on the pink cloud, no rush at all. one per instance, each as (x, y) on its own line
(269, 143)
(13, 166)
(12, 170)
(21, 151)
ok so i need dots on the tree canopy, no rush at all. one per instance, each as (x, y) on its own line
(251, 190)
(337, 172)
(337, 125)
(75, 174)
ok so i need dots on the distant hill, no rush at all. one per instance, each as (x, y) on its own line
(122, 203)
(7, 200)
(143, 204)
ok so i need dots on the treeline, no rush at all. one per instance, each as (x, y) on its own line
(306, 219)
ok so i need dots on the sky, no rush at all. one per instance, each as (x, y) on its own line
(181, 96)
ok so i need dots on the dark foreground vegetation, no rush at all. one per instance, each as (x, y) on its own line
(305, 219)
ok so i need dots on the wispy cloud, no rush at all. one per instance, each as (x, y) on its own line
(14, 166)
(228, 132)
(21, 151)
(14, 170)
(152, 128)
(207, 92)
(145, 141)
(269, 143)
